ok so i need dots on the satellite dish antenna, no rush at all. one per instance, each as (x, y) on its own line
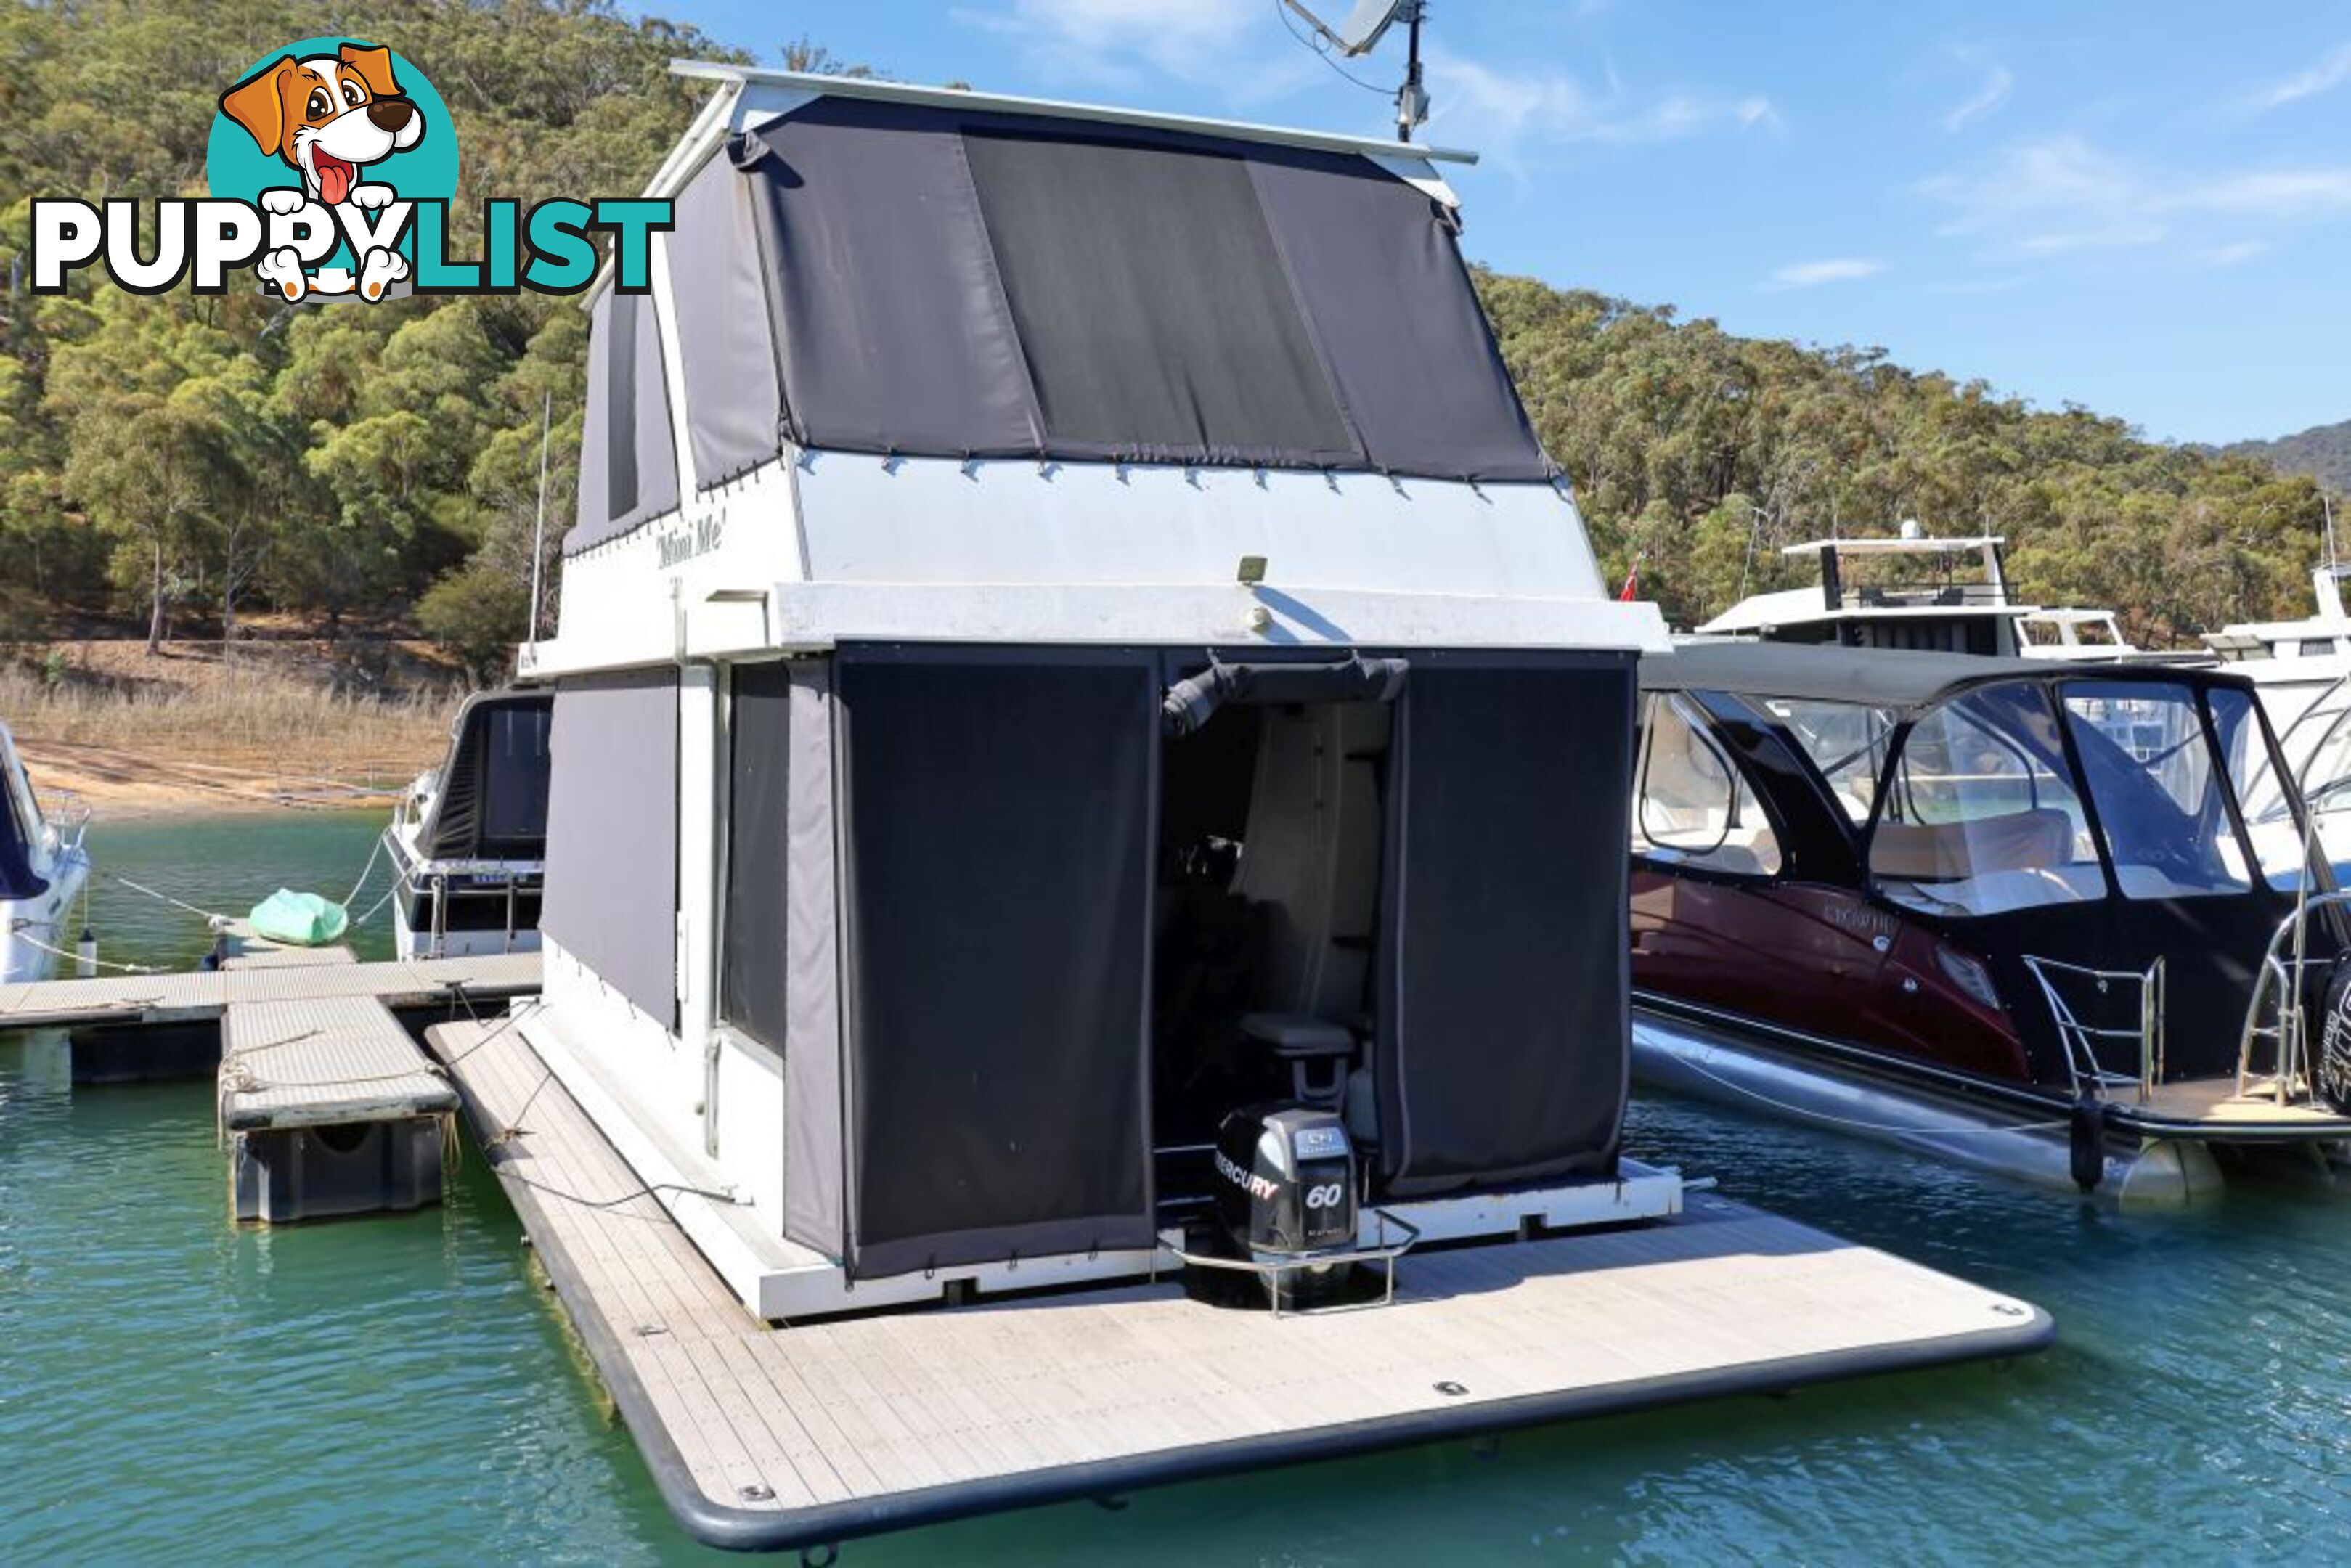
(1361, 33)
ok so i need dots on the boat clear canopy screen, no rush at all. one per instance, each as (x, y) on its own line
(1981, 814)
(972, 283)
(1691, 804)
(1846, 741)
(1984, 811)
(612, 833)
(2155, 779)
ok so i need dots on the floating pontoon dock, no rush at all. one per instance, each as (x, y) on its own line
(767, 1437)
(204, 996)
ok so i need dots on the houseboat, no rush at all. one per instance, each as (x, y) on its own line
(467, 844)
(43, 869)
(1088, 750)
(2009, 910)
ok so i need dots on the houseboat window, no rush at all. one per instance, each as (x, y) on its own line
(1982, 815)
(1846, 741)
(2160, 802)
(1692, 806)
(2317, 647)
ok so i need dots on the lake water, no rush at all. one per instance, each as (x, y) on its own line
(172, 1389)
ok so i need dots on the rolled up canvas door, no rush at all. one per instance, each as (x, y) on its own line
(612, 833)
(997, 856)
(1503, 1037)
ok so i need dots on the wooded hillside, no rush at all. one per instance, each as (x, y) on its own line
(193, 457)
(2322, 451)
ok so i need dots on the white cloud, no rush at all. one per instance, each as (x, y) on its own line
(2236, 251)
(1998, 83)
(1503, 112)
(2324, 77)
(2061, 194)
(1835, 269)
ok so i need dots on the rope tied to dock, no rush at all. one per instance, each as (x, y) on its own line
(19, 929)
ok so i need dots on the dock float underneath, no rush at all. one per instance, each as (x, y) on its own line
(330, 1109)
(762, 1438)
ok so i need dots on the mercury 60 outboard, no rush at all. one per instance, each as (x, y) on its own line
(1286, 1187)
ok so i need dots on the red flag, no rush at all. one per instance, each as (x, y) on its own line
(1632, 585)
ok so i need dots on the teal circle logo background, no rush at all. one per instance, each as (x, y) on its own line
(237, 169)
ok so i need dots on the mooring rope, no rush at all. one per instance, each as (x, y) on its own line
(104, 964)
(352, 896)
(116, 878)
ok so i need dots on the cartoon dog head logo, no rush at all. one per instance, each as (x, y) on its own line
(331, 114)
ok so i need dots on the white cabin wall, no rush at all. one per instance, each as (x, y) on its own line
(924, 520)
(627, 1048)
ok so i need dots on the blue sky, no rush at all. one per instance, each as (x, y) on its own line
(2145, 209)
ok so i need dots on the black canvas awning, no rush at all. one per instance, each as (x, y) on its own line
(866, 275)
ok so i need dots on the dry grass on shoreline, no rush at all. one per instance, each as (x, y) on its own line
(264, 718)
(188, 732)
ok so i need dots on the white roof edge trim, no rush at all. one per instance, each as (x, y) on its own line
(953, 98)
(1896, 547)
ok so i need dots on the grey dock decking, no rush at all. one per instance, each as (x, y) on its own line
(323, 1062)
(795, 1437)
(274, 975)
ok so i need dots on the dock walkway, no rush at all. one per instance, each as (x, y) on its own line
(269, 976)
(761, 1436)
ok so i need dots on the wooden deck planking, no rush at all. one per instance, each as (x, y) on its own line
(906, 1405)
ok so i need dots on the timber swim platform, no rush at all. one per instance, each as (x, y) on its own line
(762, 1438)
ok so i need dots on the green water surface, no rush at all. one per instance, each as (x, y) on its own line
(172, 1390)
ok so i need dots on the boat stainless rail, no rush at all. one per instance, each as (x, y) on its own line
(2090, 1075)
(2278, 993)
(1272, 1270)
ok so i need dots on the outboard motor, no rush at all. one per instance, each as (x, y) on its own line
(1286, 1191)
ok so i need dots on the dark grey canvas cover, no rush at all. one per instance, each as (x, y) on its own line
(612, 833)
(718, 288)
(751, 989)
(1503, 1032)
(628, 452)
(816, 1199)
(1151, 303)
(492, 804)
(998, 858)
(960, 283)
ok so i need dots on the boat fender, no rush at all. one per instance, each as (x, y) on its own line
(2088, 1142)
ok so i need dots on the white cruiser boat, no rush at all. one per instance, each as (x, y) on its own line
(43, 870)
(468, 841)
(1932, 595)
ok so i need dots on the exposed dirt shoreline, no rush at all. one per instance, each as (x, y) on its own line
(287, 723)
(117, 783)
